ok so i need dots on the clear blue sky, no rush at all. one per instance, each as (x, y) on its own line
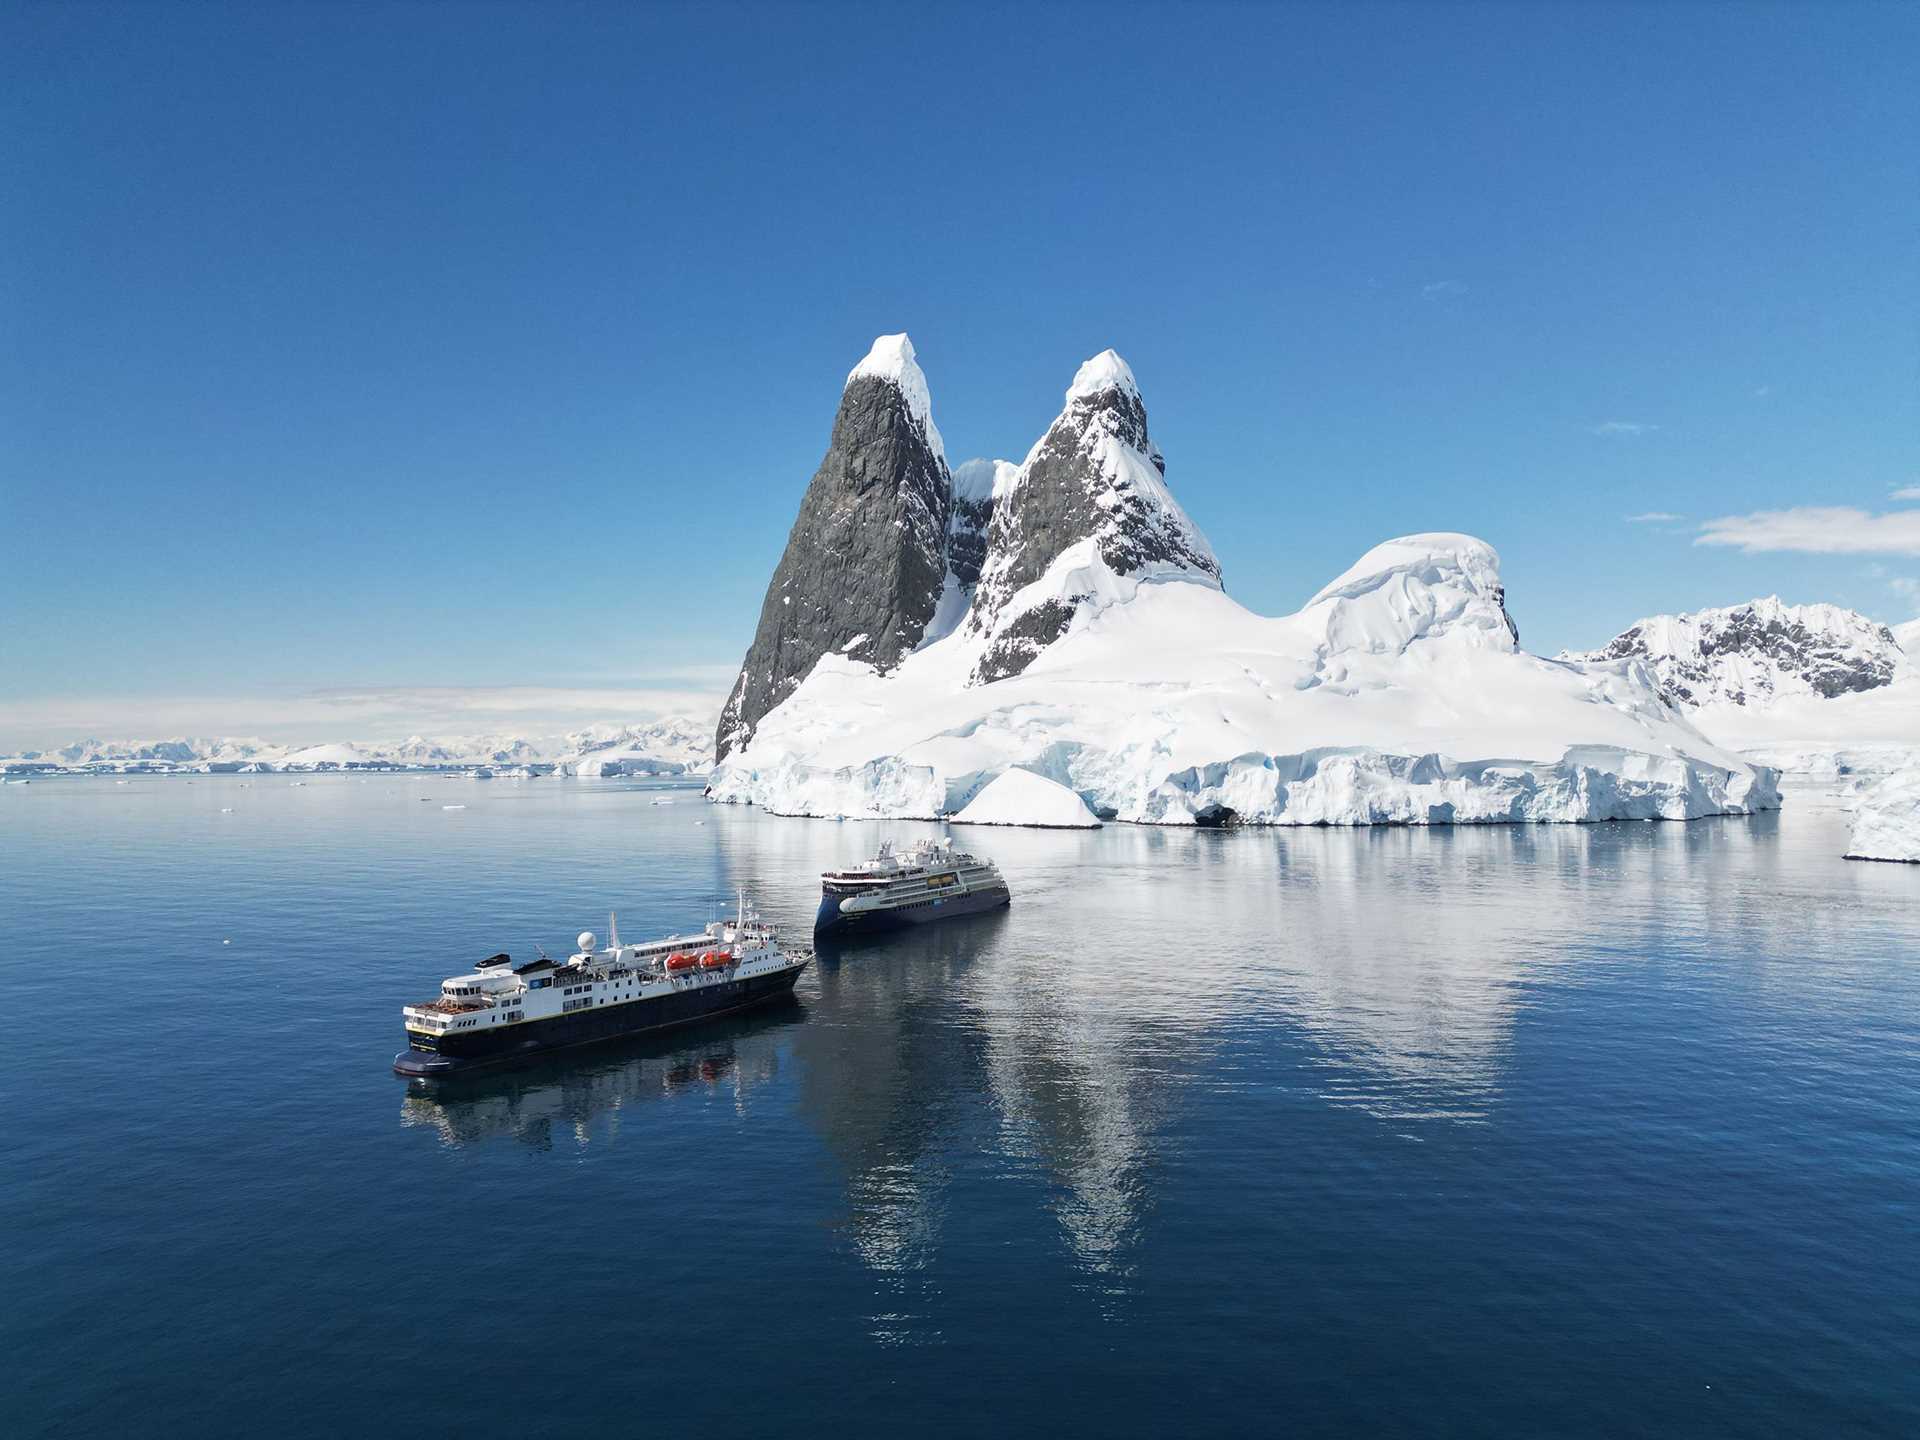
(360, 347)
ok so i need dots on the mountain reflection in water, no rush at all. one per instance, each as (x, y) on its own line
(1547, 1129)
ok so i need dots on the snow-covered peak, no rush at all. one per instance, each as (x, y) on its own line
(1415, 587)
(1095, 478)
(1105, 371)
(892, 359)
(1907, 637)
(979, 480)
(1760, 652)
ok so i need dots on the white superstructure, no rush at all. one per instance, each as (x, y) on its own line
(929, 880)
(727, 957)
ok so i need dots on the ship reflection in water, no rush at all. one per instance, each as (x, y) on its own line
(1306, 1000)
(579, 1098)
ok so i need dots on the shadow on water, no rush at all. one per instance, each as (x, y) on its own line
(568, 1092)
(958, 935)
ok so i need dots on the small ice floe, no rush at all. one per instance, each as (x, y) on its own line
(453, 807)
(119, 782)
(226, 942)
(660, 802)
(226, 809)
(699, 822)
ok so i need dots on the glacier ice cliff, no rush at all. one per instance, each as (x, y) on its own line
(1886, 820)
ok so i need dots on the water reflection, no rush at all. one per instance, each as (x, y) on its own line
(579, 1098)
(1049, 1056)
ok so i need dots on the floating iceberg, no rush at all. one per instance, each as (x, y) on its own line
(1886, 820)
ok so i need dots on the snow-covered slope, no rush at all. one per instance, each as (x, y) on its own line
(1886, 820)
(1398, 695)
(1816, 690)
(1020, 797)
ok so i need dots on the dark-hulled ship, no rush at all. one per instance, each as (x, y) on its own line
(503, 1012)
(931, 881)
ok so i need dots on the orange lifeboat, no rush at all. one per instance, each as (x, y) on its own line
(715, 960)
(680, 961)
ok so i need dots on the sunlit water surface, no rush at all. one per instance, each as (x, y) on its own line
(1548, 1130)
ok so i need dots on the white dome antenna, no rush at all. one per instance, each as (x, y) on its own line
(586, 940)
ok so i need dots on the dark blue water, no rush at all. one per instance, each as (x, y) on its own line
(1553, 1130)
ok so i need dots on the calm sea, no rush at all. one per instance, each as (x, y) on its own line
(1557, 1130)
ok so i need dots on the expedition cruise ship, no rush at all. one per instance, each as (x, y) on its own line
(932, 881)
(504, 1012)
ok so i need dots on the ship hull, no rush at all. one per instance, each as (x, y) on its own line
(832, 922)
(462, 1054)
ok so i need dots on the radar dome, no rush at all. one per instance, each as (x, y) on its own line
(586, 940)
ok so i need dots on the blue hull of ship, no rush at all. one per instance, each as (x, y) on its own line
(831, 923)
(460, 1054)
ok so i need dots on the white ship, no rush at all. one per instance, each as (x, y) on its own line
(502, 1011)
(931, 881)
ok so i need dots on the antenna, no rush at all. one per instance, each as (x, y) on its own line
(613, 926)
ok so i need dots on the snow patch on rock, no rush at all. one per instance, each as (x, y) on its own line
(892, 358)
(1105, 371)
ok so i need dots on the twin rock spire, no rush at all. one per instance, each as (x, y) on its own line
(892, 550)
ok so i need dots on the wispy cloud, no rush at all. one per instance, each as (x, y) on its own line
(1654, 517)
(1623, 427)
(1443, 289)
(1906, 492)
(1906, 587)
(1817, 530)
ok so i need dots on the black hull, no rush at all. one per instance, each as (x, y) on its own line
(832, 923)
(464, 1054)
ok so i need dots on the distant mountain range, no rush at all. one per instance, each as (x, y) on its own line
(671, 746)
(1811, 689)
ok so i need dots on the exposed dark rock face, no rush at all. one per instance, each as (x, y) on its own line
(865, 561)
(1096, 475)
(967, 536)
(1748, 654)
(1016, 644)
(1500, 599)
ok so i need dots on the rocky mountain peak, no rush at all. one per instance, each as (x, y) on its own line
(866, 561)
(1095, 476)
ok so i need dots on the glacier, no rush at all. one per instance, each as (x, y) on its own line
(673, 745)
(1398, 695)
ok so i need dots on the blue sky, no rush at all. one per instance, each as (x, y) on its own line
(387, 364)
